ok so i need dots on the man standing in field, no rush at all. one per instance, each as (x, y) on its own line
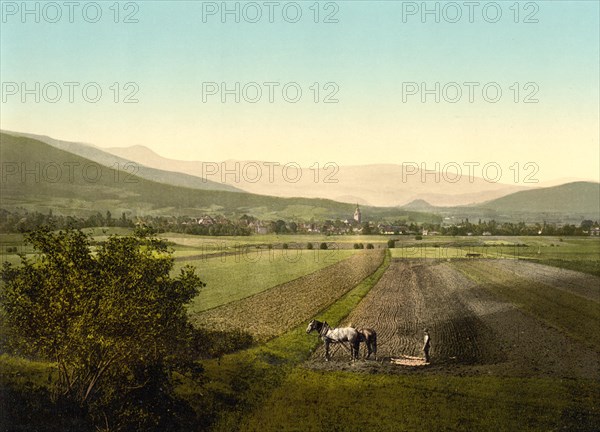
(426, 345)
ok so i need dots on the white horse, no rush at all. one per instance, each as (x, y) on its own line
(339, 335)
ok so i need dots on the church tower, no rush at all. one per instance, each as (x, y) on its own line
(357, 216)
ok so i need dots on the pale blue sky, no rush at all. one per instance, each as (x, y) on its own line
(170, 52)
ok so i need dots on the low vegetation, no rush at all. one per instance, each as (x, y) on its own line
(320, 401)
(112, 325)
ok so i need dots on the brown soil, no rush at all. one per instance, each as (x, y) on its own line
(272, 312)
(472, 331)
(581, 284)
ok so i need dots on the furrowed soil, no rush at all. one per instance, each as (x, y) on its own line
(473, 330)
(273, 312)
(581, 284)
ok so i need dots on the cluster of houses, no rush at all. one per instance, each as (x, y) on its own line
(354, 225)
(347, 226)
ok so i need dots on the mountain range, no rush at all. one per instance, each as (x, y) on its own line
(38, 176)
(107, 159)
(377, 184)
(128, 185)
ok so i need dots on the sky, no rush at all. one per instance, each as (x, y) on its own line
(163, 68)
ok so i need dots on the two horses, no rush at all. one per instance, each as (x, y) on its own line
(343, 335)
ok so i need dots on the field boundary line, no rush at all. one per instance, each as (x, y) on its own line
(275, 286)
(261, 368)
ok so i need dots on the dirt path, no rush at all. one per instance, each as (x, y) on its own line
(472, 331)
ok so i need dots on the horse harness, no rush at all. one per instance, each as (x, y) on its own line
(323, 332)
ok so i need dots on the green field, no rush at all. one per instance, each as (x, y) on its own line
(573, 253)
(445, 252)
(248, 272)
(346, 401)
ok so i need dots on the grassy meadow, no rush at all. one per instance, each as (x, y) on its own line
(247, 272)
(345, 401)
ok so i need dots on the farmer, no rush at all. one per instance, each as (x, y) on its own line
(426, 345)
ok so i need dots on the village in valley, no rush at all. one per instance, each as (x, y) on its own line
(20, 220)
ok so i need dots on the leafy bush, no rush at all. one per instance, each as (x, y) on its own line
(419, 237)
(285, 246)
(113, 321)
(215, 343)
(309, 246)
(391, 243)
(323, 246)
(370, 246)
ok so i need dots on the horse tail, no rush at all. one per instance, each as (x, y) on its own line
(375, 344)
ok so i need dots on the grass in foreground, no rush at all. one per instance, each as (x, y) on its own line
(345, 401)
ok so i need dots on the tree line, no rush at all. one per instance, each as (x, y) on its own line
(22, 220)
(492, 227)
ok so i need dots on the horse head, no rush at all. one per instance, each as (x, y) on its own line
(311, 326)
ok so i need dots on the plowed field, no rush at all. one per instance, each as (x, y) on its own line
(278, 309)
(475, 327)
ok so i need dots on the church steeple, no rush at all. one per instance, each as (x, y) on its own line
(357, 216)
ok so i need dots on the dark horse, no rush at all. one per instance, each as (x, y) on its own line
(336, 335)
(369, 337)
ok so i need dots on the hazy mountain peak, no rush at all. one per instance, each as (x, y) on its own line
(418, 204)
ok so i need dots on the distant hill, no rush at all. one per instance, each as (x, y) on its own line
(419, 205)
(378, 185)
(568, 203)
(576, 197)
(38, 176)
(95, 154)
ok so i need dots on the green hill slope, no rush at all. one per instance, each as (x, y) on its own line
(577, 197)
(109, 160)
(38, 176)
